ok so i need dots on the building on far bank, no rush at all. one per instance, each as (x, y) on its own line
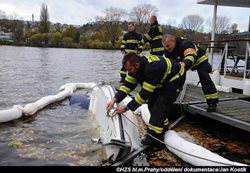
(5, 36)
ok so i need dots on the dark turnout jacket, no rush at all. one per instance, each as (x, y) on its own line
(131, 42)
(154, 72)
(154, 37)
(187, 52)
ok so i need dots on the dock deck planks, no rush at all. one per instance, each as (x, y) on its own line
(231, 110)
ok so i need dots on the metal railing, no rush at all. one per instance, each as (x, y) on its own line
(247, 60)
(231, 50)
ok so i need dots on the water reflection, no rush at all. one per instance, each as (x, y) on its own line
(59, 134)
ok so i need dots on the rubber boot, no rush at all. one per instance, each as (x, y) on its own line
(211, 107)
(148, 140)
(165, 129)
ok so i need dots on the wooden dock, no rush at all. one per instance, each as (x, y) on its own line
(233, 108)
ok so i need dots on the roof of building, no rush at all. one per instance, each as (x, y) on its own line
(234, 3)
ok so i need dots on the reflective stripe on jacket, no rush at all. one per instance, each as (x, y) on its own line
(154, 72)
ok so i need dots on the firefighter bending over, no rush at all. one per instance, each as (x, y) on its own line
(194, 58)
(161, 82)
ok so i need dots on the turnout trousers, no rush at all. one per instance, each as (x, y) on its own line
(207, 84)
(160, 105)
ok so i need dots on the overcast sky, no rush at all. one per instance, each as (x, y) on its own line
(79, 12)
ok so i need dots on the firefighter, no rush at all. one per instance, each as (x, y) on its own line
(154, 37)
(131, 42)
(161, 81)
(194, 58)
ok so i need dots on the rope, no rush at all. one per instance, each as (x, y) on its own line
(181, 107)
(173, 147)
(162, 142)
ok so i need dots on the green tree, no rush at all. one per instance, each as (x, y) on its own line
(67, 42)
(56, 39)
(70, 32)
(44, 25)
(36, 40)
(83, 40)
(45, 38)
(77, 37)
(40, 39)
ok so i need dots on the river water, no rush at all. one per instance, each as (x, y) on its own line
(61, 134)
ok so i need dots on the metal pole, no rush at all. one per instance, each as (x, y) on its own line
(213, 33)
(246, 69)
(249, 24)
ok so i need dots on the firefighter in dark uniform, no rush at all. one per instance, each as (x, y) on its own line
(131, 43)
(154, 37)
(194, 58)
(161, 82)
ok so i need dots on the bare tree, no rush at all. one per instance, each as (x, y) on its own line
(222, 24)
(112, 18)
(17, 30)
(44, 19)
(193, 23)
(141, 13)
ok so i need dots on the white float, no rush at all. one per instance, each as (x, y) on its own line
(66, 90)
(118, 135)
(187, 151)
(194, 154)
(11, 114)
(30, 109)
